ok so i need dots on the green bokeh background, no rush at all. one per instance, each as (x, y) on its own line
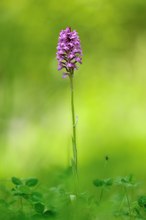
(110, 87)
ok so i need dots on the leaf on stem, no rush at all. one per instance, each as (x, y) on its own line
(16, 181)
(31, 182)
(98, 182)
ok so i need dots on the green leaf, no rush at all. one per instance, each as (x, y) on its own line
(36, 197)
(142, 202)
(127, 179)
(50, 213)
(31, 182)
(108, 182)
(39, 208)
(98, 182)
(16, 181)
(22, 190)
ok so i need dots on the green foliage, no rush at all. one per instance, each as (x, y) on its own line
(127, 181)
(142, 202)
(31, 182)
(39, 208)
(125, 204)
(16, 181)
(104, 182)
(24, 202)
(36, 196)
(30, 199)
(23, 188)
(98, 182)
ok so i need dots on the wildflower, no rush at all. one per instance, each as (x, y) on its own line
(69, 52)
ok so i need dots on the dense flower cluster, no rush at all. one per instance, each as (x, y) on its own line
(69, 51)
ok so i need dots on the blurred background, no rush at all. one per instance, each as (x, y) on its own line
(110, 87)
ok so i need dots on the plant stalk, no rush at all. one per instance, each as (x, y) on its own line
(128, 202)
(74, 142)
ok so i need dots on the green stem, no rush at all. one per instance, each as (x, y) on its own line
(101, 194)
(128, 201)
(104, 174)
(75, 159)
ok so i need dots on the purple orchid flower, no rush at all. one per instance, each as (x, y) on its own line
(69, 52)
